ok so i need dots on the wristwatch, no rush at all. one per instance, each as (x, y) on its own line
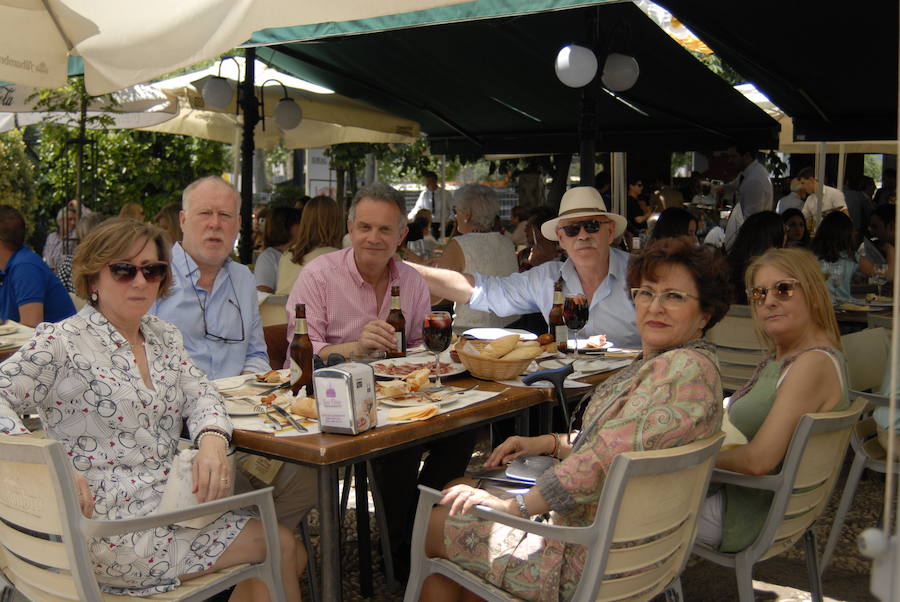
(520, 502)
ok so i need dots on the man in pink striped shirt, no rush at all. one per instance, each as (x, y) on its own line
(347, 295)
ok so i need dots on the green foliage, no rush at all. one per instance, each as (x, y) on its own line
(720, 68)
(775, 165)
(122, 166)
(286, 194)
(17, 177)
(872, 166)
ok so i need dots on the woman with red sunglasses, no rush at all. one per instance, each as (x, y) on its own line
(112, 384)
(806, 372)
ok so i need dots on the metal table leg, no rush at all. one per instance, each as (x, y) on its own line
(523, 422)
(330, 533)
(362, 531)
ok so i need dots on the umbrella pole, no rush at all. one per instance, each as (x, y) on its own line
(251, 118)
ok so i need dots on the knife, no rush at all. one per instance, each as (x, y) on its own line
(291, 420)
(283, 385)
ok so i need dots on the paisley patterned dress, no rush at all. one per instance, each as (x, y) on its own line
(667, 400)
(81, 377)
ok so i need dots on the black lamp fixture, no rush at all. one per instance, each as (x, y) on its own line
(218, 92)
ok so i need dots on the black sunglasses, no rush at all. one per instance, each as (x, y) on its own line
(122, 271)
(206, 333)
(591, 226)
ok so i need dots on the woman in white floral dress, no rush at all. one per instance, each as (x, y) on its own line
(112, 384)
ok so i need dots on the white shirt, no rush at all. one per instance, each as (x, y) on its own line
(611, 311)
(438, 201)
(832, 198)
(753, 193)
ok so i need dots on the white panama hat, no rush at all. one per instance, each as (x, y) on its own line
(582, 201)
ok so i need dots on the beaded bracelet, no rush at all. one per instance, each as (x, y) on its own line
(212, 431)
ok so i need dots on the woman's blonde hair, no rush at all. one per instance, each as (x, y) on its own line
(321, 225)
(113, 240)
(803, 266)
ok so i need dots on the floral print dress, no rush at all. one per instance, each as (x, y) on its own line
(667, 400)
(81, 377)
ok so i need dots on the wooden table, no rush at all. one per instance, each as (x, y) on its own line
(328, 452)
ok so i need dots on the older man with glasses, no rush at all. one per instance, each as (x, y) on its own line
(213, 302)
(585, 230)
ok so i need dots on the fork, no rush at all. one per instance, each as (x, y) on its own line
(444, 398)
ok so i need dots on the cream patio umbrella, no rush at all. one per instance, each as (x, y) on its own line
(327, 118)
(124, 42)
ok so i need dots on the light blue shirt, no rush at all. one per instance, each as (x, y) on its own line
(233, 296)
(611, 311)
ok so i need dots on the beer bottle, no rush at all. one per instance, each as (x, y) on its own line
(398, 321)
(557, 323)
(301, 353)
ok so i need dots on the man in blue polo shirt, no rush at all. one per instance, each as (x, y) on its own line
(29, 292)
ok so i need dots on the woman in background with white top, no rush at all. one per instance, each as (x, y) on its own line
(478, 250)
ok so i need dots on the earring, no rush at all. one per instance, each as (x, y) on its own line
(94, 297)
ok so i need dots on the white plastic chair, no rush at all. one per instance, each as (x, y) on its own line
(867, 353)
(867, 453)
(640, 539)
(738, 347)
(802, 489)
(43, 535)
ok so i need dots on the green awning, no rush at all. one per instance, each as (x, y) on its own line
(831, 66)
(488, 86)
(467, 11)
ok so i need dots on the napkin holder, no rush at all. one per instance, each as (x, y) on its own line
(345, 398)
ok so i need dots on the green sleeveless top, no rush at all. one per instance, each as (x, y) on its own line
(745, 509)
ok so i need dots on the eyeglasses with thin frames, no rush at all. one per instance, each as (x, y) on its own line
(782, 290)
(206, 333)
(670, 299)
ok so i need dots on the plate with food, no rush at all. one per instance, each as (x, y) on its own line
(253, 405)
(414, 399)
(263, 380)
(398, 367)
(9, 328)
(593, 344)
(851, 306)
(873, 300)
(590, 365)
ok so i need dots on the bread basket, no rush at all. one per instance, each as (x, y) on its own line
(488, 368)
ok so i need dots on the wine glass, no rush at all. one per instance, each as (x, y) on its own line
(879, 276)
(575, 315)
(437, 331)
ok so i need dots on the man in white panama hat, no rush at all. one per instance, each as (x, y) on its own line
(585, 230)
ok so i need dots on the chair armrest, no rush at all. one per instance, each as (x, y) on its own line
(105, 528)
(873, 398)
(429, 496)
(561, 533)
(728, 477)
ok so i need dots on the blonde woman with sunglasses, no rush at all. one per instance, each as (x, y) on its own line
(805, 373)
(112, 384)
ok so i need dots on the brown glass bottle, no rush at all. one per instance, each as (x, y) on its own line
(301, 353)
(557, 323)
(398, 321)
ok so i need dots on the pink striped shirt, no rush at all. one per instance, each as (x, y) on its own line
(339, 303)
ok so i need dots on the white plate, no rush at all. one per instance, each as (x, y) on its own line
(586, 365)
(8, 329)
(235, 382)
(420, 401)
(236, 407)
(583, 346)
(491, 334)
(419, 361)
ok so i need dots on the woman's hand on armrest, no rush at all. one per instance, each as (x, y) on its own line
(211, 472)
(514, 447)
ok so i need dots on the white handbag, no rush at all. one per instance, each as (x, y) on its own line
(179, 490)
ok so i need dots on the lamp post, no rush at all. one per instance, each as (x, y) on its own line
(250, 107)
